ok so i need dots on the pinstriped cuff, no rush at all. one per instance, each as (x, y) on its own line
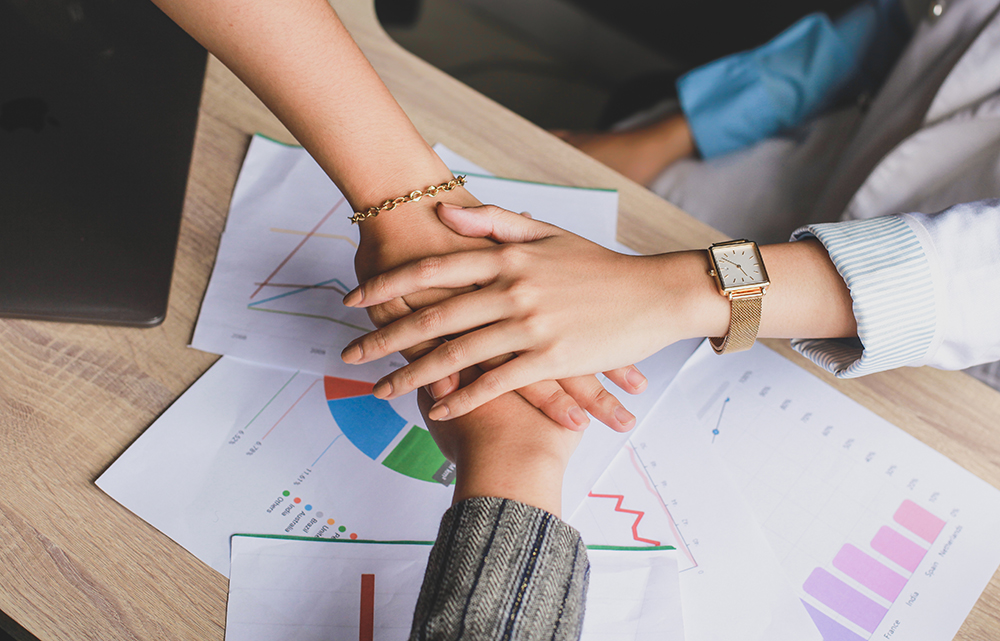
(890, 276)
(502, 570)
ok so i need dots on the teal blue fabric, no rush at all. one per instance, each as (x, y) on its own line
(738, 100)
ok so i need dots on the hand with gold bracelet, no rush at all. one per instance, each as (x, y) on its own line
(356, 131)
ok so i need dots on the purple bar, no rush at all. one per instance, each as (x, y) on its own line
(918, 520)
(899, 549)
(830, 629)
(844, 600)
(869, 572)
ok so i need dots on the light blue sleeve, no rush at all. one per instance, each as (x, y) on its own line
(741, 99)
(923, 286)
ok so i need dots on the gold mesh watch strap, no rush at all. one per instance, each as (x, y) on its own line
(743, 324)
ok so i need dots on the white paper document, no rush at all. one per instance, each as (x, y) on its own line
(312, 590)
(286, 259)
(251, 448)
(666, 487)
(881, 536)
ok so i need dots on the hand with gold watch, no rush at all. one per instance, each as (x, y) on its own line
(566, 306)
(740, 275)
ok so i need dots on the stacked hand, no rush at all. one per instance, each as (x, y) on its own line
(565, 306)
(565, 400)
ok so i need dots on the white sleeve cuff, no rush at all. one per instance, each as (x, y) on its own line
(891, 274)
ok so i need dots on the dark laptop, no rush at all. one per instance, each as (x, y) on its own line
(98, 107)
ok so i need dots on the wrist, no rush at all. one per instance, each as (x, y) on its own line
(407, 220)
(533, 480)
(688, 296)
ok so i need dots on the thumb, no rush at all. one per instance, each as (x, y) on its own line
(490, 221)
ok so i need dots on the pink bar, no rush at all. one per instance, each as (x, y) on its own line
(869, 572)
(893, 545)
(918, 520)
(843, 599)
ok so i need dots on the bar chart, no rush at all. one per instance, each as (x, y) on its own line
(886, 579)
(879, 534)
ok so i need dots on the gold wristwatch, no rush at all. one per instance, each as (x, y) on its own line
(739, 272)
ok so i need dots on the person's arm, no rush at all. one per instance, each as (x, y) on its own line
(904, 290)
(300, 60)
(924, 287)
(504, 565)
(566, 305)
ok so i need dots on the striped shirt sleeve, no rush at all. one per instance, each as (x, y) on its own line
(891, 275)
(502, 570)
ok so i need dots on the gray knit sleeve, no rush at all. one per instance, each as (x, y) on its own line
(502, 570)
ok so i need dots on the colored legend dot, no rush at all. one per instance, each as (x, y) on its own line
(319, 515)
(342, 528)
(353, 535)
(286, 493)
(330, 521)
(297, 499)
(309, 508)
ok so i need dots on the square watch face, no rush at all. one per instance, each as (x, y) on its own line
(739, 265)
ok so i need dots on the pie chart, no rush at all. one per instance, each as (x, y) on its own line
(381, 434)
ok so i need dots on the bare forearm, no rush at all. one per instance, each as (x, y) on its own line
(806, 298)
(300, 60)
(507, 449)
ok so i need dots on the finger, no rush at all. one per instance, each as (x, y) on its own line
(442, 388)
(628, 378)
(451, 316)
(519, 373)
(553, 401)
(548, 396)
(591, 395)
(490, 221)
(449, 271)
(454, 356)
(395, 309)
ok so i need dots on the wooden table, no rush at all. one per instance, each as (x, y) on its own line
(76, 565)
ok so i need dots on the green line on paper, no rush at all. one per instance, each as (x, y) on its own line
(326, 318)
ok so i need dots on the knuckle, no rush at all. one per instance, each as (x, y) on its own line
(555, 398)
(461, 400)
(379, 286)
(377, 342)
(429, 319)
(453, 353)
(405, 379)
(427, 268)
(534, 327)
(493, 382)
(511, 254)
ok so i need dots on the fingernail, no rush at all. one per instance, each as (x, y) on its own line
(578, 417)
(430, 391)
(353, 297)
(352, 353)
(441, 385)
(439, 413)
(635, 377)
(383, 389)
(624, 416)
(450, 207)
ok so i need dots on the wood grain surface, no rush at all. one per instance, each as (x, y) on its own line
(76, 565)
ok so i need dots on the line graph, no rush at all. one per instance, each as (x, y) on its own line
(718, 423)
(299, 246)
(340, 288)
(618, 508)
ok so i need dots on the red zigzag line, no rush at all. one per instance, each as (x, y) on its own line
(619, 508)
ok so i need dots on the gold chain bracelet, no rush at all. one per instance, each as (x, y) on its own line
(411, 197)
